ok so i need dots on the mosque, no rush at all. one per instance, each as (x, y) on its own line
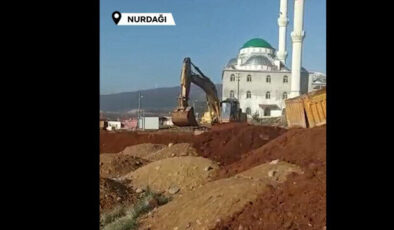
(259, 78)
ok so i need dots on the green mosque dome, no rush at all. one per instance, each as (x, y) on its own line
(257, 42)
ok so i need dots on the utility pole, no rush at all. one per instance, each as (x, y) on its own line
(139, 105)
(238, 79)
(139, 109)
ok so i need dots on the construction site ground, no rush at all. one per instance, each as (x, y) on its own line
(233, 176)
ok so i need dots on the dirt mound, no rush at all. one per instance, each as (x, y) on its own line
(183, 173)
(116, 165)
(142, 150)
(207, 206)
(300, 202)
(113, 193)
(224, 143)
(182, 149)
(303, 147)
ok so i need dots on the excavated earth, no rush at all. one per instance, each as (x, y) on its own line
(178, 173)
(154, 152)
(142, 150)
(176, 150)
(116, 165)
(208, 205)
(224, 143)
(300, 202)
(303, 147)
(230, 197)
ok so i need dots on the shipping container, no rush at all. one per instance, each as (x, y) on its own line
(150, 123)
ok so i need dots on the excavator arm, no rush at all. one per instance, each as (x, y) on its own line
(211, 94)
(184, 114)
(210, 90)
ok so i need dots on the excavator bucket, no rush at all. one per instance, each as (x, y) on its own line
(184, 117)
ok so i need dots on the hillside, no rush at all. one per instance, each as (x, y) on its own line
(160, 99)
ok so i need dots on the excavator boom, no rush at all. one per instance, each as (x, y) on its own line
(183, 115)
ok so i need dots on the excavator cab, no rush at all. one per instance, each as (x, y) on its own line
(230, 110)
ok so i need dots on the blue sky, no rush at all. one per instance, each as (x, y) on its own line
(209, 31)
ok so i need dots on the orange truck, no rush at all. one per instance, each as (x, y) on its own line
(307, 110)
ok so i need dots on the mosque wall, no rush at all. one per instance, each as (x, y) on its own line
(258, 88)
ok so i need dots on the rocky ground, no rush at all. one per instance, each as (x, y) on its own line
(235, 176)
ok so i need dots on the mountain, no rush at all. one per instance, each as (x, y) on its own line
(159, 99)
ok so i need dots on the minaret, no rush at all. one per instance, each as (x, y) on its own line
(282, 23)
(297, 37)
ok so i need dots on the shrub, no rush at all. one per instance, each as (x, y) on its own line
(119, 219)
(109, 217)
(122, 223)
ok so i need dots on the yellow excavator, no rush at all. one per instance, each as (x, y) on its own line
(218, 112)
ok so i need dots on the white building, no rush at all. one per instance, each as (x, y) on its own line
(259, 80)
(113, 125)
(317, 80)
(258, 76)
(151, 123)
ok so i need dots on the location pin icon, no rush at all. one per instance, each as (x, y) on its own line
(116, 17)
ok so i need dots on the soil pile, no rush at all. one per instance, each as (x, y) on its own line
(177, 173)
(182, 149)
(207, 206)
(303, 147)
(113, 193)
(300, 202)
(224, 143)
(116, 165)
(142, 150)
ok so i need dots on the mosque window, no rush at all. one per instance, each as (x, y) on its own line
(232, 77)
(248, 94)
(284, 95)
(248, 111)
(268, 79)
(285, 79)
(267, 95)
(232, 94)
(249, 78)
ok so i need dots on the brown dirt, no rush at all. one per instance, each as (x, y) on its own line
(224, 143)
(116, 165)
(176, 150)
(206, 206)
(116, 142)
(186, 173)
(303, 147)
(142, 150)
(113, 193)
(300, 202)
